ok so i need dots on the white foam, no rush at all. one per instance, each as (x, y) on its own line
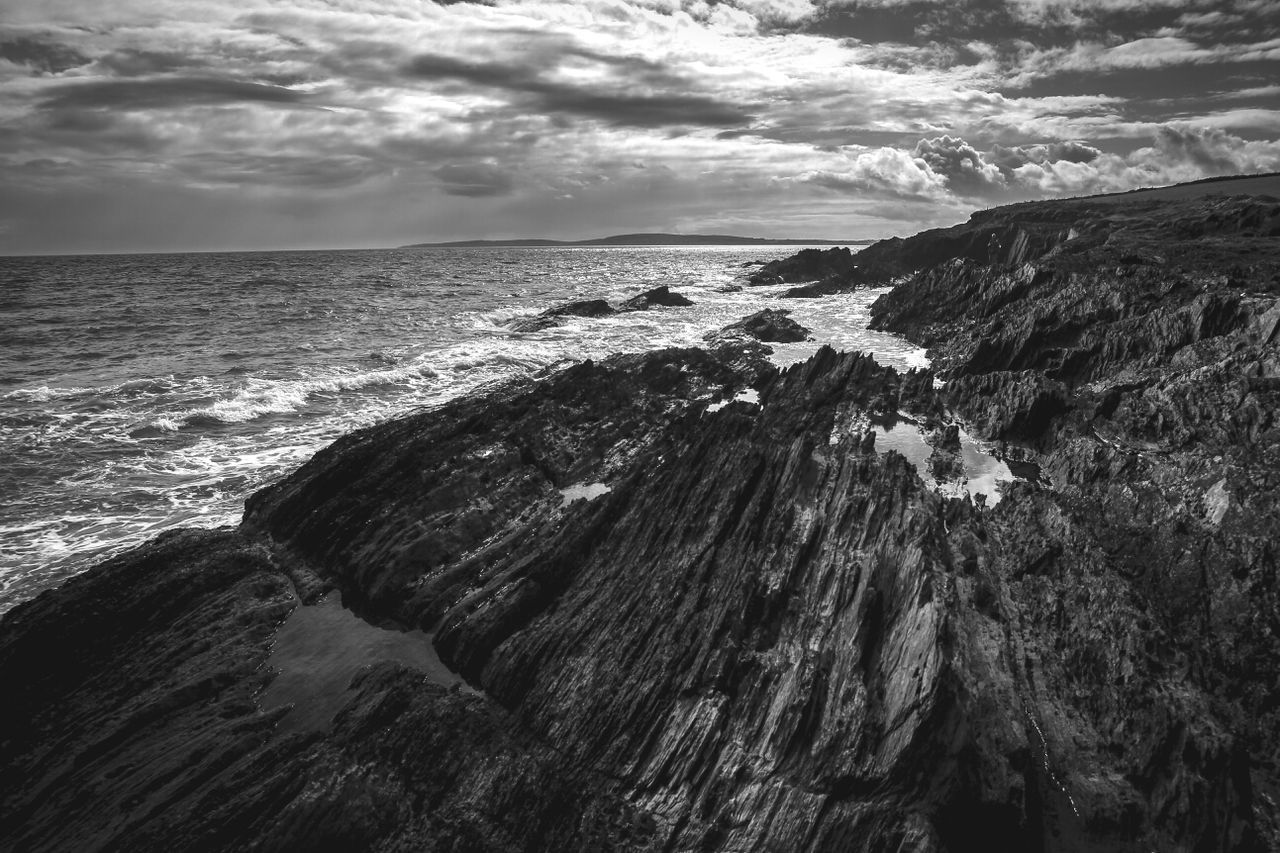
(44, 394)
(262, 397)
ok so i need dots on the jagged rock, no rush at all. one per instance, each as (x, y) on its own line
(763, 635)
(555, 316)
(131, 722)
(805, 265)
(1019, 234)
(1146, 389)
(770, 325)
(658, 296)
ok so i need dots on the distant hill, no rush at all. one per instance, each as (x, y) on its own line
(640, 240)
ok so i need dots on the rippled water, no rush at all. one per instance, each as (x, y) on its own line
(141, 393)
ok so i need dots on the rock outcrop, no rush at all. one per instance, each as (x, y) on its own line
(555, 316)
(751, 630)
(773, 325)
(805, 265)
(658, 297)
(1148, 225)
(1141, 370)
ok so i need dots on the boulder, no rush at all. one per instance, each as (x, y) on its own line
(770, 325)
(657, 297)
(555, 316)
(805, 265)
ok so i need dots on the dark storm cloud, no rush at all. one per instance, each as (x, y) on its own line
(476, 180)
(313, 171)
(1214, 151)
(1004, 22)
(612, 103)
(164, 93)
(42, 56)
(140, 63)
(960, 164)
(953, 23)
(1008, 158)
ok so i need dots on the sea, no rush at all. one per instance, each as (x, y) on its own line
(140, 393)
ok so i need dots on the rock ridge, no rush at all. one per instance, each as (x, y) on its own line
(758, 632)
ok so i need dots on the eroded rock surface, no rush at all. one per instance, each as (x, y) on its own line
(657, 297)
(555, 316)
(1140, 360)
(752, 631)
(773, 325)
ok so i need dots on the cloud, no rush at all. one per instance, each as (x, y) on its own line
(1213, 151)
(960, 164)
(880, 172)
(46, 57)
(807, 117)
(949, 168)
(1095, 57)
(1179, 153)
(475, 180)
(1007, 159)
(130, 62)
(163, 93)
(609, 98)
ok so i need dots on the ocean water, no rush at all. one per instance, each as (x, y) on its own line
(141, 393)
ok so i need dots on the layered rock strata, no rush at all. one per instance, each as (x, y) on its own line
(750, 630)
(1138, 363)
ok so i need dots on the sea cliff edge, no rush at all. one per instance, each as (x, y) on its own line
(750, 630)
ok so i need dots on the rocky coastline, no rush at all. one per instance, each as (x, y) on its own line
(698, 607)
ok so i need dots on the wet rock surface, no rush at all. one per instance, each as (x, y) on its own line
(772, 325)
(752, 630)
(555, 316)
(658, 297)
(805, 265)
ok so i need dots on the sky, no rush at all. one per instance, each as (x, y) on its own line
(177, 125)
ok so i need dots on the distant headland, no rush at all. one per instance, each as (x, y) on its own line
(639, 240)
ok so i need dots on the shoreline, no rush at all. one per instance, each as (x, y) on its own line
(767, 632)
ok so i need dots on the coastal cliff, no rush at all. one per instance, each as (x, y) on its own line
(697, 608)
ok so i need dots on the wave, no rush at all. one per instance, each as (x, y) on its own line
(45, 394)
(129, 388)
(264, 397)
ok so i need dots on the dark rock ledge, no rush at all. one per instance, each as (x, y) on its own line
(764, 636)
(657, 297)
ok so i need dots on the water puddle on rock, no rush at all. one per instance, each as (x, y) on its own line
(583, 492)
(747, 395)
(318, 650)
(973, 470)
